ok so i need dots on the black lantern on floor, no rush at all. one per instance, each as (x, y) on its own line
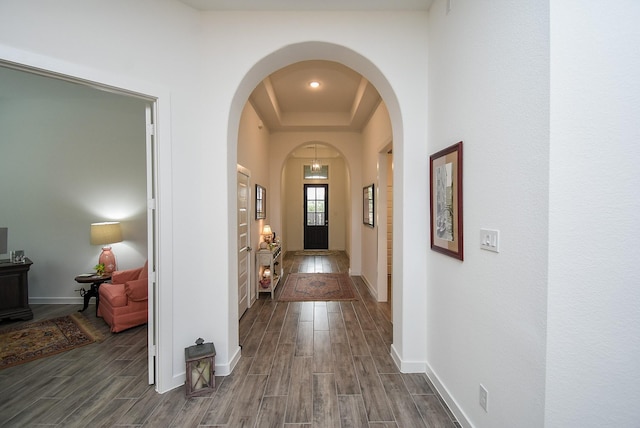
(200, 360)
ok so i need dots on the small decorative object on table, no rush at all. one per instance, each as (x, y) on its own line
(200, 361)
(99, 269)
(17, 256)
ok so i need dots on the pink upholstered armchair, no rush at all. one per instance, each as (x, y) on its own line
(123, 303)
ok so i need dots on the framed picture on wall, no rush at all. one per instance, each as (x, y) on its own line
(261, 202)
(368, 205)
(445, 183)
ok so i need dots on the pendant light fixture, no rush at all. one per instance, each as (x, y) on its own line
(315, 164)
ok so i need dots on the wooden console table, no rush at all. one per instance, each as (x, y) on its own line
(14, 290)
(268, 259)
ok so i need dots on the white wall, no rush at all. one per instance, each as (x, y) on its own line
(593, 348)
(489, 87)
(375, 136)
(253, 154)
(71, 156)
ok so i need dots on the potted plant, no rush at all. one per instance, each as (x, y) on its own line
(99, 269)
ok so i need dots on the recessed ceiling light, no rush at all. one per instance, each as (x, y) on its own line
(314, 84)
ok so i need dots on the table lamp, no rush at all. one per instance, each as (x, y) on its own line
(267, 233)
(106, 233)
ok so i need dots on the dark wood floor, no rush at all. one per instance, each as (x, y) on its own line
(310, 364)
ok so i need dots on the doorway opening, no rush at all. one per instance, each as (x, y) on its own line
(281, 178)
(137, 116)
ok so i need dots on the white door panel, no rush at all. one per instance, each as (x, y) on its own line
(244, 249)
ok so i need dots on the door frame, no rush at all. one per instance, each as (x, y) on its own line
(161, 372)
(305, 186)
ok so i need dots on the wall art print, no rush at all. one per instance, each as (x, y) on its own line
(445, 180)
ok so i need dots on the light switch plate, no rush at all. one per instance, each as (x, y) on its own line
(490, 240)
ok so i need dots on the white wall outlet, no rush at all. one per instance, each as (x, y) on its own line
(490, 240)
(484, 398)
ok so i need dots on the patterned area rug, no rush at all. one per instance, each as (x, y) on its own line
(316, 253)
(29, 342)
(301, 287)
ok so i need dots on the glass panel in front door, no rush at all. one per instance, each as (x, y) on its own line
(315, 206)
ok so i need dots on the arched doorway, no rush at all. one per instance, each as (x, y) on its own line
(294, 176)
(281, 58)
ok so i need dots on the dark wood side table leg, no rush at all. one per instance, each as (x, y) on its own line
(88, 294)
(96, 288)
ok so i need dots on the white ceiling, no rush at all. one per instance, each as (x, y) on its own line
(344, 101)
(307, 5)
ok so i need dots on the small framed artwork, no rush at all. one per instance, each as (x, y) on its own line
(261, 202)
(368, 205)
(17, 256)
(445, 185)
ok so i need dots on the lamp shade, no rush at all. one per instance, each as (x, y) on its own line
(266, 230)
(105, 233)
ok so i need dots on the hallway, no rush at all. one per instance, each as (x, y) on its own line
(311, 364)
(324, 364)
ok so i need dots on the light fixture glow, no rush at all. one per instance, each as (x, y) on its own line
(314, 84)
(315, 164)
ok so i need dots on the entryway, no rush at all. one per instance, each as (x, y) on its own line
(316, 221)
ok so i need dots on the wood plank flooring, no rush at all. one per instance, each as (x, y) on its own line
(304, 364)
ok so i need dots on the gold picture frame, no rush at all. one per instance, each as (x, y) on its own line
(368, 205)
(261, 202)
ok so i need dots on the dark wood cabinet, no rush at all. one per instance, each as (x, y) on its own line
(14, 290)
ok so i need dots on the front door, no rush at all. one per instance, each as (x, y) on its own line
(316, 220)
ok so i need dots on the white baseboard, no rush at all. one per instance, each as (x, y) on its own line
(372, 290)
(407, 366)
(226, 369)
(439, 388)
(57, 301)
(443, 392)
(177, 381)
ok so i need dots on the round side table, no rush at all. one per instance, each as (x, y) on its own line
(95, 281)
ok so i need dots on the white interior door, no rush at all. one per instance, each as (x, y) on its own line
(151, 240)
(244, 240)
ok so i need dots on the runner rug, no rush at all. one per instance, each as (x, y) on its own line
(315, 253)
(35, 340)
(301, 287)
